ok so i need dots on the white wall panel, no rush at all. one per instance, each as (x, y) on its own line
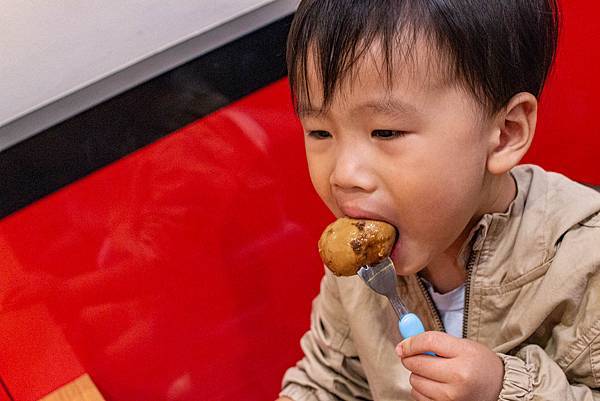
(52, 49)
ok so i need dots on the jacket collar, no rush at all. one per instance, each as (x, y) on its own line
(527, 234)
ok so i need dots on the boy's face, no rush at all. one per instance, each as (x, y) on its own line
(413, 155)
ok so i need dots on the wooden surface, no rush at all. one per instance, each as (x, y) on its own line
(80, 389)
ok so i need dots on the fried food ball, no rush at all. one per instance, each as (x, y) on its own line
(347, 244)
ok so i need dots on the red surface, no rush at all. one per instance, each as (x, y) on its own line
(185, 271)
(3, 395)
(568, 134)
(182, 272)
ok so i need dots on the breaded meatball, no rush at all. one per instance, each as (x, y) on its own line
(347, 244)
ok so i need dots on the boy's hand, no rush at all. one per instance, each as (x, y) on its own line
(463, 370)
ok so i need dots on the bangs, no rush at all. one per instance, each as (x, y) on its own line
(333, 39)
(492, 49)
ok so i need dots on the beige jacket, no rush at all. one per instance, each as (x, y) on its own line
(532, 295)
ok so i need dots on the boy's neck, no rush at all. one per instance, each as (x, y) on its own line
(446, 272)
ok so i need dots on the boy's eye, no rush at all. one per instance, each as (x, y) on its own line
(387, 133)
(319, 134)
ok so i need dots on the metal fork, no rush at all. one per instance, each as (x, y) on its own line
(381, 278)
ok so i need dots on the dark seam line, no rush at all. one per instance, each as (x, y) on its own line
(109, 131)
(5, 388)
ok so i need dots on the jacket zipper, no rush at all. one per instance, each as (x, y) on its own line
(472, 259)
(432, 306)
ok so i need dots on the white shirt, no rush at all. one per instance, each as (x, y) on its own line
(451, 307)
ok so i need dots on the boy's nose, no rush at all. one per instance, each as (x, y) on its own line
(352, 171)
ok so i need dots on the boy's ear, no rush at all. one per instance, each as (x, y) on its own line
(513, 133)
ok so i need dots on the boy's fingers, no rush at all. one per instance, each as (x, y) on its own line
(439, 343)
(418, 396)
(427, 389)
(431, 367)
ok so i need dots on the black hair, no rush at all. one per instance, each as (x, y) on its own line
(495, 48)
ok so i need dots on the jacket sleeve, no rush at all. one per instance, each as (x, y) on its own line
(531, 375)
(567, 367)
(330, 369)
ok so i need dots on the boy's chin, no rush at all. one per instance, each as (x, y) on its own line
(405, 266)
(399, 259)
(402, 268)
(405, 271)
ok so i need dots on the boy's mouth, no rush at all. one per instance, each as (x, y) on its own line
(396, 249)
(354, 213)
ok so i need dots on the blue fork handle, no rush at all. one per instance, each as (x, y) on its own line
(410, 325)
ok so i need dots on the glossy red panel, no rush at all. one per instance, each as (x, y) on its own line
(568, 135)
(185, 271)
(35, 356)
(4, 396)
(182, 272)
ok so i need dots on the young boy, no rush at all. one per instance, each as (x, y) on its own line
(417, 112)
